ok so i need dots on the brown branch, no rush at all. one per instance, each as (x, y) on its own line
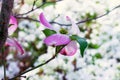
(79, 22)
(89, 19)
(30, 10)
(44, 63)
(34, 4)
(6, 10)
(57, 50)
(33, 9)
(27, 18)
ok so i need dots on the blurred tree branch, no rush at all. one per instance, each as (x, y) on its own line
(57, 50)
(6, 11)
(79, 22)
(34, 4)
(33, 9)
(89, 19)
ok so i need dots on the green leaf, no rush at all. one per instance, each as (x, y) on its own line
(97, 56)
(48, 4)
(82, 42)
(94, 46)
(49, 32)
(63, 31)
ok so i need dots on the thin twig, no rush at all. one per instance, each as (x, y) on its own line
(30, 10)
(79, 22)
(83, 21)
(56, 52)
(27, 18)
(33, 9)
(34, 4)
(31, 19)
(3, 62)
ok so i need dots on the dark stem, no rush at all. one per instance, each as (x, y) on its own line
(4, 70)
(33, 9)
(83, 21)
(4, 63)
(44, 63)
(79, 22)
(34, 4)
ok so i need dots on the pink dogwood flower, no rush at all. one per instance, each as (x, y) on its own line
(70, 49)
(57, 40)
(60, 39)
(13, 27)
(44, 21)
(11, 30)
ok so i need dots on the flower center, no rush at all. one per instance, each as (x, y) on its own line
(63, 31)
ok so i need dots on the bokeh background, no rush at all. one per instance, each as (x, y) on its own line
(102, 57)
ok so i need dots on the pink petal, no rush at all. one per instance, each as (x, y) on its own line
(14, 42)
(74, 28)
(44, 21)
(57, 40)
(70, 49)
(13, 26)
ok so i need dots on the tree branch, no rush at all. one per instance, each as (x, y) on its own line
(79, 22)
(6, 10)
(34, 4)
(89, 19)
(19, 75)
(33, 9)
(57, 50)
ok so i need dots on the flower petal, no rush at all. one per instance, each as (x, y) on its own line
(57, 40)
(44, 21)
(74, 28)
(14, 42)
(70, 49)
(13, 23)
